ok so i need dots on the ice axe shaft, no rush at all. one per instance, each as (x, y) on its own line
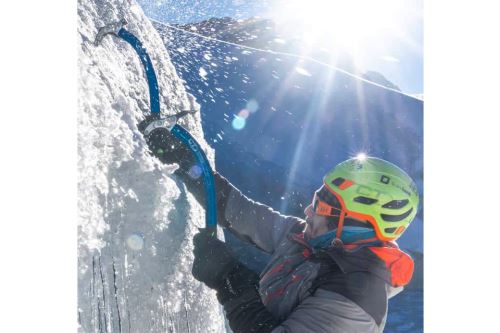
(117, 29)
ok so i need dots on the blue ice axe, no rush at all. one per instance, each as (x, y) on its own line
(169, 122)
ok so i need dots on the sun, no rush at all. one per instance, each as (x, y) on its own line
(349, 24)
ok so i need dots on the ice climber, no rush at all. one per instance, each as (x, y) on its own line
(333, 271)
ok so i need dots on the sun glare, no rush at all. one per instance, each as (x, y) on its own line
(361, 157)
(341, 23)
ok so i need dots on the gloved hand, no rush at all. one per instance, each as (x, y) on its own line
(212, 260)
(166, 147)
(169, 149)
(236, 285)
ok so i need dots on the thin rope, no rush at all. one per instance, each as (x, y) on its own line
(288, 54)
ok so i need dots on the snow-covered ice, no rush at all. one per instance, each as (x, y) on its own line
(135, 220)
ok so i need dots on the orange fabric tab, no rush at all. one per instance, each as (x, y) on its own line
(347, 183)
(399, 230)
(399, 264)
(323, 209)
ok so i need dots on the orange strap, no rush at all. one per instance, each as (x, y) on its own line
(341, 224)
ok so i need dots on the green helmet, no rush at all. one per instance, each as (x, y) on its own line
(374, 190)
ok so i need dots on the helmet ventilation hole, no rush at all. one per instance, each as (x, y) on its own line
(338, 181)
(396, 218)
(365, 200)
(396, 204)
(342, 183)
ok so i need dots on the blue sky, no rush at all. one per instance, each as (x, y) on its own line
(400, 59)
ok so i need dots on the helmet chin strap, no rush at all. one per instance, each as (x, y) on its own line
(340, 225)
(349, 236)
(343, 236)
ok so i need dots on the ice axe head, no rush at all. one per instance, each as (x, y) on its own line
(111, 28)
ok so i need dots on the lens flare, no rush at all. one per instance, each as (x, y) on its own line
(244, 113)
(135, 242)
(252, 106)
(195, 172)
(238, 123)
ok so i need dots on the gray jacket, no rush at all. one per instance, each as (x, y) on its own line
(331, 291)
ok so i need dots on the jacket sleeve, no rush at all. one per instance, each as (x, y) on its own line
(329, 312)
(257, 223)
(249, 220)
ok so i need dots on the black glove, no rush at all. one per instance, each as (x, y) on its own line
(212, 260)
(169, 149)
(236, 285)
(166, 147)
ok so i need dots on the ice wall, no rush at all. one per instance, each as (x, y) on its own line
(135, 220)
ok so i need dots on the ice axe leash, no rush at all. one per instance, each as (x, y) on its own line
(170, 122)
